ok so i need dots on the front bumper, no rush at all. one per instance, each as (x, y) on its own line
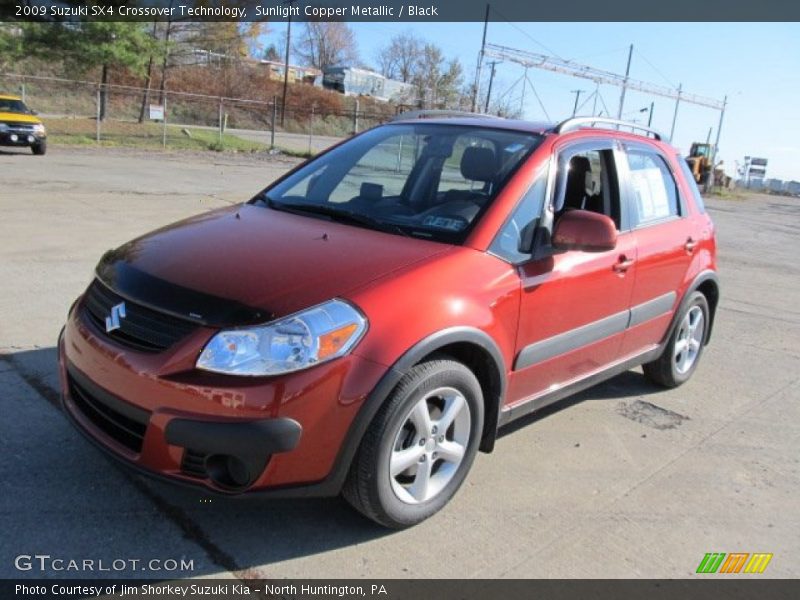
(156, 413)
(20, 138)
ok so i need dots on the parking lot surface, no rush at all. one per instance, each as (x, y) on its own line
(624, 480)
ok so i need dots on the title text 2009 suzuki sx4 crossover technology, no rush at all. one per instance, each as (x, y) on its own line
(365, 324)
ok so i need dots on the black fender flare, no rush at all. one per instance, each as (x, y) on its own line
(392, 377)
(700, 279)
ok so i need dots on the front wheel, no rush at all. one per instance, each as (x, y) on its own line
(420, 446)
(682, 353)
(39, 148)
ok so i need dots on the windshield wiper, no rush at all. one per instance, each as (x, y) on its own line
(265, 200)
(337, 214)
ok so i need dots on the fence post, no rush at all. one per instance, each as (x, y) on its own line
(355, 118)
(22, 91)
(97, 115)
(164, 125)
(221, 126)
(311, 129)
(274, 118)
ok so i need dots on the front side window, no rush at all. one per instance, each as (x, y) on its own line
(425, 180)
(655, 194)
(587, 180)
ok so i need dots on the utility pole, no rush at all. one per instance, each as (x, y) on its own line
(719, 129)
(286, 63)
(479, 72)
(675, 114)
(625, 83)
(577, 97)
(650, 116)
(493, 64)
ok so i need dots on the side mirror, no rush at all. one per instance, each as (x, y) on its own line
(584, 230)
(34, 112)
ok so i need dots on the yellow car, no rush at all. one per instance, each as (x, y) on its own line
(19, 126)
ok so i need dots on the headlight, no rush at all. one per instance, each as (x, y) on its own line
(38, 128)
(296, 342)
(3, 126)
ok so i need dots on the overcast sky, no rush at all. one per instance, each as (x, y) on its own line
(757, 65)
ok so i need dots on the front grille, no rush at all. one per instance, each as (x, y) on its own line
(194, 464)
(19, 127)
(141, 329)
(128, 429)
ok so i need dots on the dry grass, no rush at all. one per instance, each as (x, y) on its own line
(82, 131)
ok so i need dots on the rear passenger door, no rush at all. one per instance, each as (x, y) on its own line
(662, 233)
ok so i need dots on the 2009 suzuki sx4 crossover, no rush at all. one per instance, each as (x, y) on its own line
(365, 324)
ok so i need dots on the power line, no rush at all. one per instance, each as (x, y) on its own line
(652, 66)
(525, 33)
(597, 54)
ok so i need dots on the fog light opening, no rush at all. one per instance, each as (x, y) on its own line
(228, 471)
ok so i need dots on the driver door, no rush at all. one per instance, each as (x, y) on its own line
(574, 305)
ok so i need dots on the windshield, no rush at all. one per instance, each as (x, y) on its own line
(13, 106)
(423, 180)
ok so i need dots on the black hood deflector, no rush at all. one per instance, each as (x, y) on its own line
(161, 295)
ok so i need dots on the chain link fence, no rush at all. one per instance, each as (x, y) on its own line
(87, 112)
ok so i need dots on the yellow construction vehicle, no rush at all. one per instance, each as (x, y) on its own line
(699, 160)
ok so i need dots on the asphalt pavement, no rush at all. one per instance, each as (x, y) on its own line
(624, 480)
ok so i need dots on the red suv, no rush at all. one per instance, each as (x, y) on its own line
(368, 322)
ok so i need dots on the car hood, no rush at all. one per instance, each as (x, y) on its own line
(18, 118)
(249, 264)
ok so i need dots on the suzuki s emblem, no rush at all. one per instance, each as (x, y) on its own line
(117, 313)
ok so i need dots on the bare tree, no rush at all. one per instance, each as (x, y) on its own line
(400, 57)
(322, 44)
(386, 62)
(505, 106)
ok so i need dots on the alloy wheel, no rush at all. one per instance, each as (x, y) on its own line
(429, 445)
(689, 340)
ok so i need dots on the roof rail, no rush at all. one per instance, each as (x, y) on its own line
(574, 123)
(440, 114)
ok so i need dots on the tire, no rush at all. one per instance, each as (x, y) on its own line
(39, 149)
(436, 463)
(685, 347)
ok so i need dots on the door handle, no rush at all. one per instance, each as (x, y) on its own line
(690, 245)
(623, 264)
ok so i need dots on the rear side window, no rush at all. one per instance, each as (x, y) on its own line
(689, 176)
(655, 194)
